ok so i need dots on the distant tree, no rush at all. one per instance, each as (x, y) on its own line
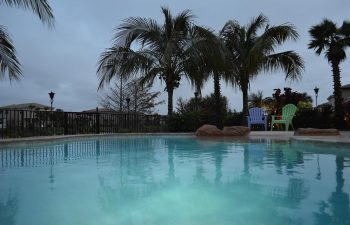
(332, 40)
(8, 60)
(253, 50)
(304, 105)
(115, 98)
(279, 99)
(142, 99)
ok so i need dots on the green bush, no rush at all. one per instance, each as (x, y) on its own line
(184, 122)
(233, 119)
(315, 118)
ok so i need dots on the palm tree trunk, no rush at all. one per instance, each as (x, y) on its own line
(245, 102)
(339, 173)
(217, 93)
(338, 99)
(170, 91)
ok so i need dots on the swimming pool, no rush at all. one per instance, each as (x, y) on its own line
(180, 180)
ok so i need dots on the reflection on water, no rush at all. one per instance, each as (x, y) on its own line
(173, 180)
(8, 209)
(336, 209)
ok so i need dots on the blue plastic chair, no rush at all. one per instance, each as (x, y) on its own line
(257, 116)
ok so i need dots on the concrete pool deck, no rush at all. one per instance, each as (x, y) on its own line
(344, 137)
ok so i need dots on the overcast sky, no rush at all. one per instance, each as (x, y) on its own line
(64, 59)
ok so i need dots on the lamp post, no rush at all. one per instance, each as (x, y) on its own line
(316, 89)
(52, 95)
(128, 104)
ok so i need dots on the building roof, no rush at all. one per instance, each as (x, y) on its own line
(347, 86)
(330, 97)
(25, 106)
(99, 110)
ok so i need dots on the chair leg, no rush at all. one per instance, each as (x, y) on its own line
(287, 126)
(292, 125)
(265, 126)
(271, 125)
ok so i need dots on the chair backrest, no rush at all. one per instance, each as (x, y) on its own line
(288, 111)
(256, 114)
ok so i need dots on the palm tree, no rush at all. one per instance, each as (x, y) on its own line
(252, 53)
(8, 60)
(332, 40)
(169, 51)
(256, 100)
(214, 64)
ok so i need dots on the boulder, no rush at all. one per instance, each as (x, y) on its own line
(209, 130)
(316, 132)
(236, 131)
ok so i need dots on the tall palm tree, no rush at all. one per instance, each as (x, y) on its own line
(169, 51)
(8, 61)
(253, 53)
(332, 40)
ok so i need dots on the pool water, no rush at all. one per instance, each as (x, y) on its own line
(181, 180)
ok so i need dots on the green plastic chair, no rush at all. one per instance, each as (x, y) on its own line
(288, 112)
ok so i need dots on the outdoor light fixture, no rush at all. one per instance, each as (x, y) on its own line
(52, 95)
(128, 103)
(316, 89)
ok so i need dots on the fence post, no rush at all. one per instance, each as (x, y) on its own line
(65, 123)
(97, 121)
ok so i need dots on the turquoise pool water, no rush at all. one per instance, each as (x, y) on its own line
(148, 180)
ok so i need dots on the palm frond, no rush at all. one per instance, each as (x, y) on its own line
(324, 30)
(120, 61)
(183, 20)
(277, 35)
(345, 28)
(256, 23)
(144, 30)
(328, 38)
(149, 77)
(39, 7)
(8, 60)
(289, 61)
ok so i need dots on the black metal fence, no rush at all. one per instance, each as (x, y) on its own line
(27, 123)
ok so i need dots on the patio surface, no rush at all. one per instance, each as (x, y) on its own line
(344, 136)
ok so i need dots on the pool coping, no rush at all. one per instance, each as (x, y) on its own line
(343, 138)
(45, 139)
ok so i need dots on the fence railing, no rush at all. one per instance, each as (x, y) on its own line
(27, 123)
